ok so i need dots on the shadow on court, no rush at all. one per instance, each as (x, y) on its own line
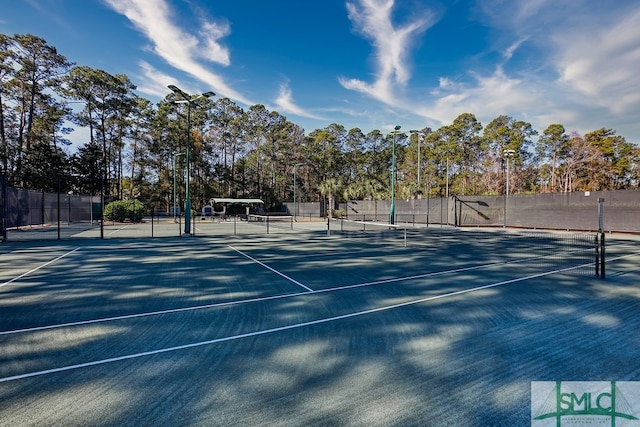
(209, 332)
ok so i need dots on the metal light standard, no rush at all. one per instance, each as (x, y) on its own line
(420, 140)
(447, 179)
(173, 208)
(508, 153)
(295, 203)
(188, 99)
(392, 209)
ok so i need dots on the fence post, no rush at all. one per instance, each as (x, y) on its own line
(601, 232)
(3, 207)
(58, 214)
(102, 207)
(41, 209)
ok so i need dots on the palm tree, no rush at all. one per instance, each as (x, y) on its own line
(329, 188)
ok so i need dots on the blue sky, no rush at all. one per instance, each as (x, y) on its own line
(371, 64)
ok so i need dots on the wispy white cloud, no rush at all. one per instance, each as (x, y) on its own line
(154, 82)
(186, 50)
(512, 48)
(179, 48)
(573, 63)
(392, 45)
(486, 96)
(285, 103)
(593, 48)
(212, 50)
(545, 61)
(603, 63)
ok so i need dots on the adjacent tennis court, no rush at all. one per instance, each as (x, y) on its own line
(318, 325)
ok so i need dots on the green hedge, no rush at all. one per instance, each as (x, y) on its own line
(123, 210)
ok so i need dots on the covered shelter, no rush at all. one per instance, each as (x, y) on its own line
(226, 201)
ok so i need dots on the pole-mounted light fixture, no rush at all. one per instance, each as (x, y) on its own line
(507, 153)
(188, 99)
(421, 136)
(392, 209)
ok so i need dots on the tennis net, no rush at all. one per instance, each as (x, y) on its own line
(572, 251)
(271, 221)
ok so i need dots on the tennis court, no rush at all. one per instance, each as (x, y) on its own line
(159, 227)
(313, 326)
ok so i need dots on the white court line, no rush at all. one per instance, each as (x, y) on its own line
(272, 269)
(276, 297)
(249, 300)
(119, 229)
(278, 329)
(152, 313)
(37, 268)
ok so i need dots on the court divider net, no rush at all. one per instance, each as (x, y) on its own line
(574, 251)
(269, 221)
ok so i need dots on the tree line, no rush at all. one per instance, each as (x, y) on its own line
(135, 149)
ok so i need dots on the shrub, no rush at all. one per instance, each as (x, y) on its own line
(115, 211)
(122, 210)
(339, 213)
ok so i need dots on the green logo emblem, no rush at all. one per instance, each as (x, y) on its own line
(585, 403)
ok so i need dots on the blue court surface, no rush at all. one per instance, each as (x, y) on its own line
(437, 327)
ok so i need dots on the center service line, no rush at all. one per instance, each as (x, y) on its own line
(279, 329)
(269, 298)
(249, 300)
(37, 268)
(271, 269)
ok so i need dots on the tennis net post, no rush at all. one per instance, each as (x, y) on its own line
(601, 250)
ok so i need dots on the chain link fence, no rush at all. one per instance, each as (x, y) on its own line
(557, 211)
(38, 215)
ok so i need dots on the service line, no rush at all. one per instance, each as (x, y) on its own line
(278, 329)
(280, 296)
(247, 301)
(37, 268)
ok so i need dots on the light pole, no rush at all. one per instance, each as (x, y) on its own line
(420, 139)
(173, 208)
(508, 153)
(188, 99)
(392, 209)
(447, 179)
(295, 203)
